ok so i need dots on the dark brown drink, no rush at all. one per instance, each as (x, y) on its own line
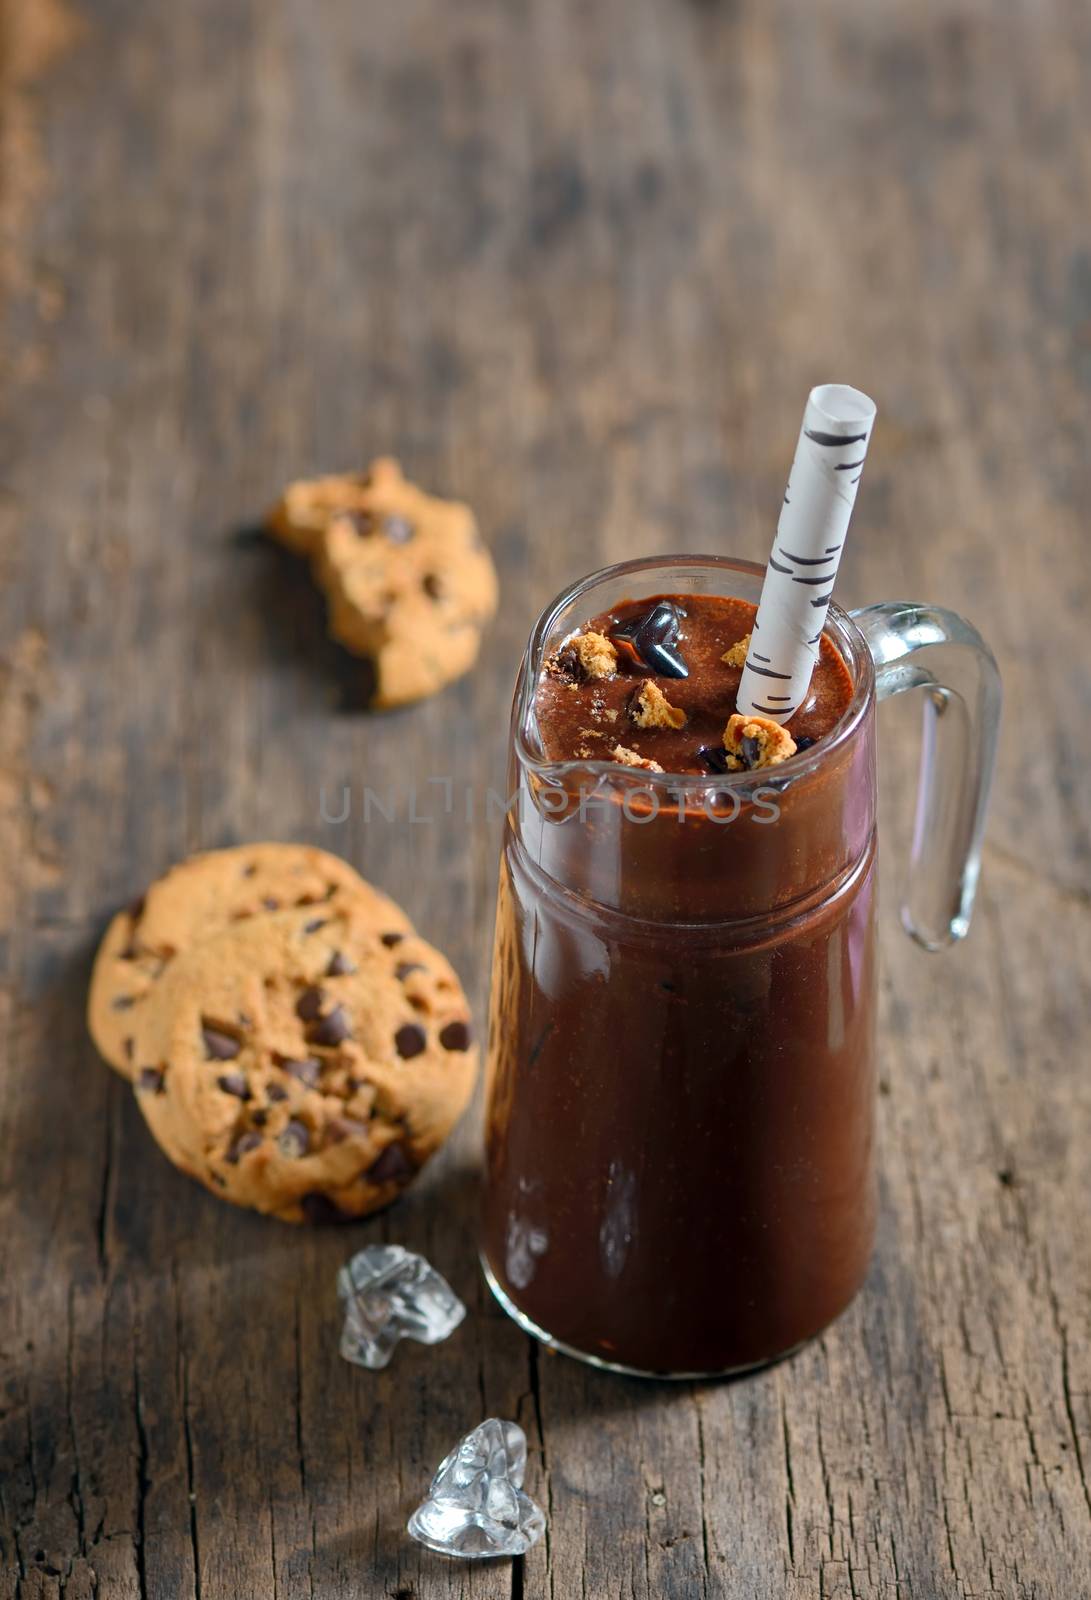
(680, 1125)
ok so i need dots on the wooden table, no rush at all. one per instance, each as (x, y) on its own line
(578, 261)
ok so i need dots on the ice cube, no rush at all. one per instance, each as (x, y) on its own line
(389, 1294)
(476, 1505)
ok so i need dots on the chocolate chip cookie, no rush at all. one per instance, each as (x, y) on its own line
(196, 899)
(306, 1063)
(409, 582)
(301, 515)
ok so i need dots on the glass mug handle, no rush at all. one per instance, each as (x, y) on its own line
(926, 647)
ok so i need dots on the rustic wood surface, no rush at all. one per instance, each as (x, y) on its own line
(578, 261)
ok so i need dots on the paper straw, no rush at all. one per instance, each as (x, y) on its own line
(814, 520)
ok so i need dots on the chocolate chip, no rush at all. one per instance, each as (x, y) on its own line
(750, 750)
(805, 743)
(249, 870)
(399, 530)
(332, 1029)
(315, 923)
(259, 1117)
(410, 1040)
(245, 1142)
(652, 637)
(320, 1211)
(276, 1092)
(294, 1140)
(127, 1049)
(122, 1002)
(219, 1046)
(150, 1079)
(391, 939)
(455, 1036)
(404, 968)
(307, 1072)
(339, 965)
(714, 757)
(234, 1083)
(361, 522)
(270, 904)
(432, 586)
(309, 1004)
(393, 1166)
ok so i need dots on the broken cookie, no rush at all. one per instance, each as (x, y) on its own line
(752, 742)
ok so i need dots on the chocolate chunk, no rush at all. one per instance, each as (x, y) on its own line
(259, 1117)
(122, 1002)
(314, 924)
(393, 1166)
(410, 1040)
(320, 1211)
(332, 1029)
(404, 968)
(339, 965)
(399, 530)
(276, 1092)
(455, 1036)
(804, 744)
(270, 904)
(309, 1004)
(391, 939)
(652, 638)
(432, 586)
(234, 1083)
(150, 1079)
(249, 870)
(750, 750)
(361, 522)
(307, 1072)
(714, 757)
(294, 1140)
(127, 1049)
(245, 1141)
(219, 1046)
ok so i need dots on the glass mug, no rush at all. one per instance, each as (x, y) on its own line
(680, 1151)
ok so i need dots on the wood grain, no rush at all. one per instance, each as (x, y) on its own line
(578, 262)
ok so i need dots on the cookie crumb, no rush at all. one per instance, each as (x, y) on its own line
(650, 708)
(588, 655)
(752, 742)
(736, 656)
(630, 758)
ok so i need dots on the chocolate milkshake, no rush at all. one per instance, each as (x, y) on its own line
(680, 1167)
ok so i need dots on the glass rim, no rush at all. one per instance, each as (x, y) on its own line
(839, 624)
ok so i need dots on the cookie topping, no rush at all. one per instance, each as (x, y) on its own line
(234, 1083)
(150, 1079)
(630, 758)
(714, 757)
(736, 656)
(219, 1046)
(340, 966)
(651, 639)
(391, 939)
(410, 1040)
(246, 1141)
(309, 1004)
(650, 708)
(455, 1036)
(332, 1029)
(752, 742)
(392, 1166)
(294, 1140)
(399, 530)
(588, 655)
(404, 968)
